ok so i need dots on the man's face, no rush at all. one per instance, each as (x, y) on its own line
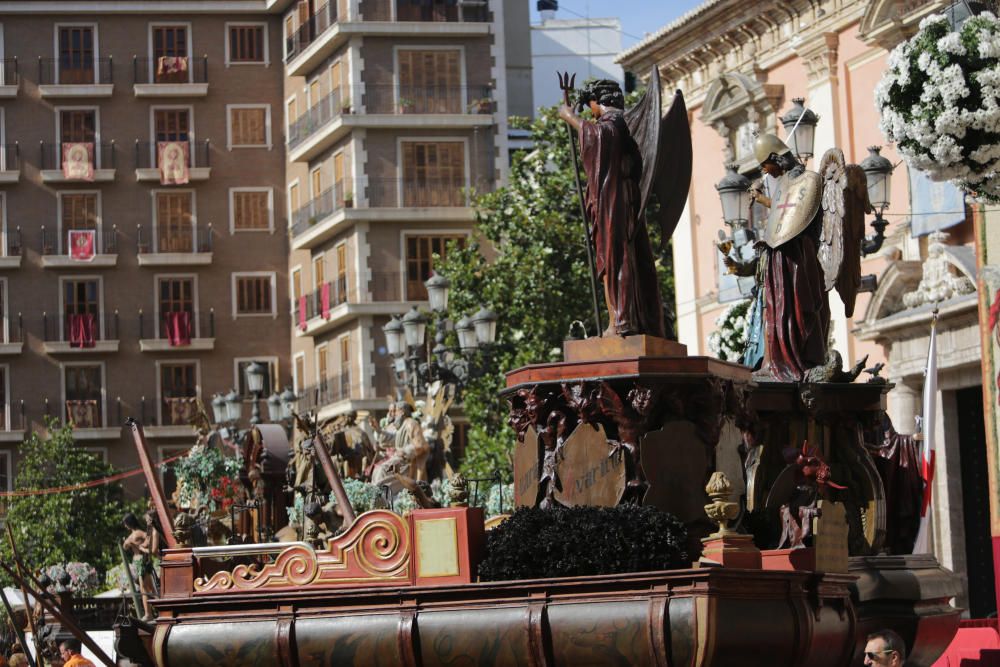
(64, 653)
(595, 109)
(772, 168)
(876, 654)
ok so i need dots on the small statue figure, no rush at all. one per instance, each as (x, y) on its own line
(410, 446)
(625, 160)
(458, 494)
(809, 476)
(139, 544)
(811, 244)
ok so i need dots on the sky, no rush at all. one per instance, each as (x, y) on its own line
(638, 17)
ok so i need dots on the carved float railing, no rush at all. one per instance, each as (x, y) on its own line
(381, 548)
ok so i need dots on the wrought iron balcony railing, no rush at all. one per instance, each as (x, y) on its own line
(59, 327)
(10, 75)
(149, 327)
(322, 19)
(151, 70)
(403, 99)
(173, 239)
(105, 155)
(106, 241)
(335, 198)
(147, 156)
(68, 71)
(318, 115)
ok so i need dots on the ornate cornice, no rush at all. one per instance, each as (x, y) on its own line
(820, 57)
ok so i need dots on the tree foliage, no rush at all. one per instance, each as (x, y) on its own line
(528, 261)
(81, 525)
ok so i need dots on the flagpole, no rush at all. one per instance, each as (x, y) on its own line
(928, 434)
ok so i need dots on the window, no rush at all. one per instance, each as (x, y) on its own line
(322, 367)
(174, 295)
(316, 180)
(84, 395)
(170, 41)
(174, 221)
(341, 294)
(253, 294)
(81, 297)
(178, 393)
(298, 382)
(4, 404)
(296, 285)
(345, 366)
(78, 210)
(420, 262)
(433, 173)
(247, 44)
(430, 81)
(250, 210)
(3, 311)
(76, 54)
(270, 375)
(318, 273)
(291, 112)
(249, 126)
(172, 125)
(293, 199)
(341, 184)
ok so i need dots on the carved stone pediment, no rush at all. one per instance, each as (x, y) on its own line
(737, 103)
(888, 22)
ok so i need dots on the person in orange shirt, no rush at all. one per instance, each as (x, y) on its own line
(69, 651)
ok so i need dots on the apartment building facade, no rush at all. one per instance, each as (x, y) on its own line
(179, 285)
(393, 122)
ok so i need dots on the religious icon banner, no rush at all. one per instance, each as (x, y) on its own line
(82, 244)
(172, 156)
(167, 65)
(78, 161)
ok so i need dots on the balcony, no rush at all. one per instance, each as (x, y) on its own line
(155, 333)
(322, 125)
(11, 259)
(65, 77)
(63, 334)
(171, 418)
(325, 31)
(318, 219)
(473, 105)
(10, 163)
(105, 163)
(148, 79)
(165, 246)
(383, 295)
(412, 193)
(10, 77)
(332, 390)
(147, 161)
(56, 253)
(12, 335)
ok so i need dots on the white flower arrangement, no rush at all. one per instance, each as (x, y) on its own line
(729, 339)
(939, 101)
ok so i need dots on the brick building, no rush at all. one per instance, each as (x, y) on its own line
(323, 144)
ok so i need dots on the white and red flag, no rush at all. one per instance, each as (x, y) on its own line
(928, 428)
(82, 244)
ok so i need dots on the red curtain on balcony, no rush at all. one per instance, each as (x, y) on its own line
(178, 328)
(324, 300)
(82, 329)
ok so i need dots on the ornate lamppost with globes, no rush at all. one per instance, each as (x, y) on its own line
(228, 408)
(405, 340)
(800, 128)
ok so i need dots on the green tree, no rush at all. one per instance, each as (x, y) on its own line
(79, 525)
(529, 263)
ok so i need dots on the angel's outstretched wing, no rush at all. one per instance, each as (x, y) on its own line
(845, 202)
(665, 144)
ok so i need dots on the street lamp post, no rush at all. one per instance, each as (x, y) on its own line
(255, 385)
(404, 338)
(878, 174)
(800, 127)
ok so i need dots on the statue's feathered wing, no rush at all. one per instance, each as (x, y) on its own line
(844, 204)
(665, 144)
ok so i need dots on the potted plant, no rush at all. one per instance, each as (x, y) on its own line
(348, 199)
(406, 105)
(345, 105)
(483, 105)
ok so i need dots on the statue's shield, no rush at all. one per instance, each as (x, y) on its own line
(794, 204)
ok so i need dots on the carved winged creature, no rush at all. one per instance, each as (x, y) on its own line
(810, 245)
(631, 157)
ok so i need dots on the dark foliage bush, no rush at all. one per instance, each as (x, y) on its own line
(565, 542)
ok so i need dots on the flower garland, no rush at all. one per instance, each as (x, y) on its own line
(729, 339)
(939, 100)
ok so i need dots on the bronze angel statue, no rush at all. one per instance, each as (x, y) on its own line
(630, 156)
(810, 245)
